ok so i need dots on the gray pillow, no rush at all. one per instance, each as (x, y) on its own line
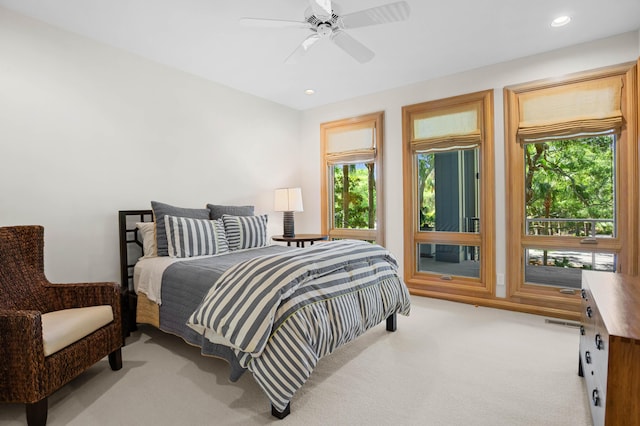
(160, 210)
(216, 211)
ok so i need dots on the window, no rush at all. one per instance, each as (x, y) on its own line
(569, 192)
(351, 178)
(571, 148)
(448, 196)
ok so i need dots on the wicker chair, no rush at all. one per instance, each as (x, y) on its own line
(27, 375)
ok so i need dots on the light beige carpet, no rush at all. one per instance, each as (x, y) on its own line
(447, 364)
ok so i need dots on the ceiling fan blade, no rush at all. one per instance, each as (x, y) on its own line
(392, 12)
(273, 23)
(303, 48)
(321, 8)
(353, 47)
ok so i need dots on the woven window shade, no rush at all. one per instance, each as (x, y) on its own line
(590, 107)
(352, 144)
(443, 128)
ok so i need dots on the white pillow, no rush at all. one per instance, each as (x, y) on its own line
(147, 231)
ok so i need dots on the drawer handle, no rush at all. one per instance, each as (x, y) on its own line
(587, 357)
(595, 397)
(589, 311)
(582, 330)
(599, 342)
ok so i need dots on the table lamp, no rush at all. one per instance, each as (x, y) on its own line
(288, 200)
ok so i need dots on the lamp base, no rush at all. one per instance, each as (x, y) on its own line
(288, 226)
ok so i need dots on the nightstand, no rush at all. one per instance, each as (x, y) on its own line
(300, 239)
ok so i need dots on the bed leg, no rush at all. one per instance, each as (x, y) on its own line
(132, 306)
(281, 414)
(391, 323)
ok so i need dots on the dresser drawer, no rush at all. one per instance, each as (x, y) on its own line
(595, 369)
(594, 356)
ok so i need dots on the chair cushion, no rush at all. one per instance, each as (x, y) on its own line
(62, 328)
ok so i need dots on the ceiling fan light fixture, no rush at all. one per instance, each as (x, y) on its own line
(324, 30)
(561, 21)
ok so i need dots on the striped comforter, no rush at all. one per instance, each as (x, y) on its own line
(282, 313)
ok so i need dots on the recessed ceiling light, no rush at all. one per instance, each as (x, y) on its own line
(309, 92)
(561, 21)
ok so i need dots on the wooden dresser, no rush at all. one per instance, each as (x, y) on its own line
(610, 347)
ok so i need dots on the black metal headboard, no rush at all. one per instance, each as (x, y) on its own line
(130, 244)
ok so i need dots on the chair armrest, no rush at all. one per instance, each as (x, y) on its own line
(22, 354)
(80, 295)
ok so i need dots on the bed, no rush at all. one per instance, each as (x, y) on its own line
(270, 309)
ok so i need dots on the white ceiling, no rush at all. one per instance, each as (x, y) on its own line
(203, 37)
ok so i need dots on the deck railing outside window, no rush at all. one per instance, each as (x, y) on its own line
(588, 229)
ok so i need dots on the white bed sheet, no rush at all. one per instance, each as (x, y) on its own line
(147, 276)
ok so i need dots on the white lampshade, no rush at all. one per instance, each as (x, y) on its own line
(288, 200)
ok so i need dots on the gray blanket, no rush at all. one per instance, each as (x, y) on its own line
(184, 284)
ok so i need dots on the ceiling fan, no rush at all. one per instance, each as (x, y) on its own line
(325, 21)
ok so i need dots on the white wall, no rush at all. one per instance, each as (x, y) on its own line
(619, 49)
(87, 130)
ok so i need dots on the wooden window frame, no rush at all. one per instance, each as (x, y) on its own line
(464, 289)
(326, 190)
(549, 300)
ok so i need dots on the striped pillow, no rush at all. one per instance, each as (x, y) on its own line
(245, 232)
(188, 237)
